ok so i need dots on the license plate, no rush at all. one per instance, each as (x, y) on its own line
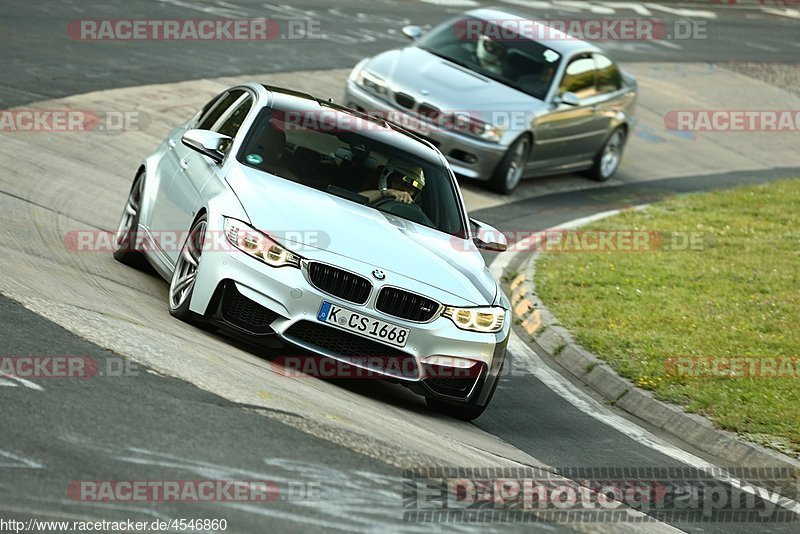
(363, 325)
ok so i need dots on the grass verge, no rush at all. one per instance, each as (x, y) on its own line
(681, 322)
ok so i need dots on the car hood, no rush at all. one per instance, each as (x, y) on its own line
(321, 226)
(448, 86)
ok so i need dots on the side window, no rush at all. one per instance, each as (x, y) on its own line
(216, 111)
(234, 121)
(579, 78)
(211, 103)
(609, 79)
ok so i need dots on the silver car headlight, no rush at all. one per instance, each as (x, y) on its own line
(478, 128)
(372, 82)
(258, 245)
(484, 319)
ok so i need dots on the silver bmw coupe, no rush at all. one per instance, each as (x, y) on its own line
(503, 97)
(282, 218)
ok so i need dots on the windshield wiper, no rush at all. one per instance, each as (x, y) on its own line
(347, 194)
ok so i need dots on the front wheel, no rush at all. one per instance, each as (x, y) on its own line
(607, 161)
(464, 413)
(185, 274)
(509, 171)
(125, 239)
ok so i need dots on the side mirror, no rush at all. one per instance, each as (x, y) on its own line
(488, 238)
(208, 143)
(412, 32)
(569, 98)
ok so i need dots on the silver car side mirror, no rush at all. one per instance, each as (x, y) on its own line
(569, 98)
(488, 238)
(412, 32)
(206, 142)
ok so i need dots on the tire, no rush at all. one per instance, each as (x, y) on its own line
(125, 239)
(509, 171)
(609, 158)
(463, 413)
(181, 284)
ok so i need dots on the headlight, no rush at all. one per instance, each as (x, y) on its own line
(372, 82)
(258, 245)
(478, 128)
(487, 319)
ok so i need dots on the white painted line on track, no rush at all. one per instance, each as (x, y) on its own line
(791, 13)
(18, 461)
(634, 6)
(668, 44)
(533, 4)
(761, 46)
(8, 380)
(683, 12)
(453, 3)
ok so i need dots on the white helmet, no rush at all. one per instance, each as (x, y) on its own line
(410, 174)
(490, 53)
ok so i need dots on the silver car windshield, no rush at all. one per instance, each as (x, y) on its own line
(496, 53)
(326, 150)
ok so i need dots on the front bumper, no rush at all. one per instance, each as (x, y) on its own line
(468, 157)
(260, 301)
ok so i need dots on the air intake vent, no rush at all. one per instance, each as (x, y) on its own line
(240, 311)
(407, 101)
(429, 112)
(356, 349)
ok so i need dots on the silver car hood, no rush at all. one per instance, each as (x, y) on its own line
(316, 225)
(446, 85)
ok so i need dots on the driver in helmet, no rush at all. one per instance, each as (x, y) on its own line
(398, 181)
(490, 54)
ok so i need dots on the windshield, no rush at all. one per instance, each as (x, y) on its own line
(496, 53)
(334, 157)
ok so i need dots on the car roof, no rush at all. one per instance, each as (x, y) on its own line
(563, 43)
(385, 132)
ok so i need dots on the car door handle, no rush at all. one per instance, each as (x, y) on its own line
(184, 164)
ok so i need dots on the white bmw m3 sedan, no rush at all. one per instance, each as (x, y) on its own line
(282, 218)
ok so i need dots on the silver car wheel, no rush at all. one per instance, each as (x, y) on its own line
(517, 164)
(185, 273)
(612, 154)
(130, 214)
